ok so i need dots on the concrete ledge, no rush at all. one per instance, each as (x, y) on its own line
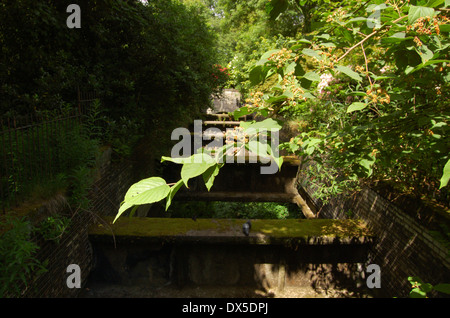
(229, 231)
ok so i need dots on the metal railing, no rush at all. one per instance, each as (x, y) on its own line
(31, 148)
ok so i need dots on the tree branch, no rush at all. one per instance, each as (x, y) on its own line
(365, 39)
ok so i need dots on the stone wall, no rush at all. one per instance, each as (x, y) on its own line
(214, 253)
(403, 248)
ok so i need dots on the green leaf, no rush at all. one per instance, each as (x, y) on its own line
(312, 53)
(417, 293)
(347, 71)
(256, 75)
(416, 12)
(420, 66)
(444, 28)
(258, 148)
(142, 186)
(201, 163)
(242, 112)
(445, 175)
(210, 175)
(443, 288)
(267, 124)
(367, 164)
(144, 192)
(265, 57)
(434, 3)
(425, 53)
(312, 76)
(356, 106)
(414, 280)
(396, 38)
(426, 288)
(173, 190)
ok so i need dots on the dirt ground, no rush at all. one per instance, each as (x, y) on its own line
(120, 291)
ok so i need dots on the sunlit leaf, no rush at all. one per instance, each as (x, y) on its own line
(356, 106)
(445, 175)
(416, 12)
(347, 71)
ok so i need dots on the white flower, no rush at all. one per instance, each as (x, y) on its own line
(325, 80)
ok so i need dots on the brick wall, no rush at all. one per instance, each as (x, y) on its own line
(74, 247)
(403, 247)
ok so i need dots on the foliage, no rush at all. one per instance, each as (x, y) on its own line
(42, 158)
(53, 227)
(238, 210)
(17, 256)
(419, 289)
(147, 61)
(370, 87)
(251, 136)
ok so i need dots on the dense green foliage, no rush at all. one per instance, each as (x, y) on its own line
(369, 88)
(148, 62)
(17, 257)
(234, 210)
(244, 31)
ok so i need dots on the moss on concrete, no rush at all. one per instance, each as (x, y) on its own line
(264, 229)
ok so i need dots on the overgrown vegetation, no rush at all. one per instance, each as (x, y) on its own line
(369, 88)
(234, 210)
(18, 257)
(152, 67)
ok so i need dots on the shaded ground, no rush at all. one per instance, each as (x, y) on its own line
(120, 291)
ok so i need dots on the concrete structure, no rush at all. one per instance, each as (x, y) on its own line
(229, 101)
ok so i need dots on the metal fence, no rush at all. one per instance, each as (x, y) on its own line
(31, 148)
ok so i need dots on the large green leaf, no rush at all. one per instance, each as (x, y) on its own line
(142, 186)
(258, 148)
(256, 75)
(199, 164)
(312, 76)
(242, 112)
(425, 53)
(443, 288)
(446, 175)
(416, 12)
(434, 3)
(420, 66)
(347, 71)
(144, 192)
(356, 106)
(267, 124)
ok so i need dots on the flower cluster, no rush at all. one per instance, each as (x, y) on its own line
(337, 15)
(427, 25)
(378, 95)
(255, 100)
(220, 74)
(325, 81)
(291, 84)
(281, 57)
